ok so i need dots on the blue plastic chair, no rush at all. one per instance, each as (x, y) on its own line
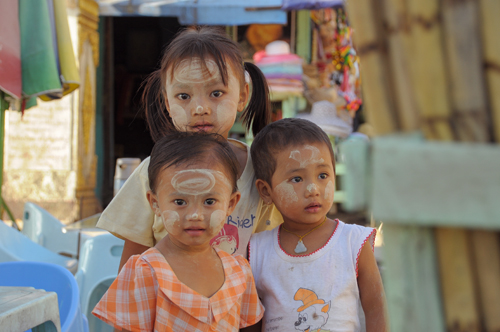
(14, 246)
(97, 269)
(46, 230)
(51, 278)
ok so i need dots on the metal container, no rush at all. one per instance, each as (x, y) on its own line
(124, 168)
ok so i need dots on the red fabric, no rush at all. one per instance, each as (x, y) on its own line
(10, 53)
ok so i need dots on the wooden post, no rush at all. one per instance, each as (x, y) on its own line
(397, 21)
(465, 72)
(489, 10)
(457, 283)
(88, 60)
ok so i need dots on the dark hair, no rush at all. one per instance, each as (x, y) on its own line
(185, 148)
(279, 135)
(204, 42)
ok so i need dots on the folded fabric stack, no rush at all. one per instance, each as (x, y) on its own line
(283, 71)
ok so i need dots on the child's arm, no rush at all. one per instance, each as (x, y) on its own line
(254, 328)
(129, 249)
(371, 291)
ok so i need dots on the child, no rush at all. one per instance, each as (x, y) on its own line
(312, 273)
(200, 87)
(183, 283)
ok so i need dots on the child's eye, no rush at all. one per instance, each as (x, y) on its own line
(216, 94)
(323, 176)
(183, 96)
(179, 202)
(296, 179)
(210, 201)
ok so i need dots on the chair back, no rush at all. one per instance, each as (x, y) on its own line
(14, 246)
(46, 230)
(98, 267)
(51, 278)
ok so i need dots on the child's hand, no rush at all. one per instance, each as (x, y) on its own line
(371, 291)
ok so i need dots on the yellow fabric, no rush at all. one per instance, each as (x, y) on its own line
(70, 78)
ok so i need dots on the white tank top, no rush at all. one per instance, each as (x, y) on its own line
(313, 293)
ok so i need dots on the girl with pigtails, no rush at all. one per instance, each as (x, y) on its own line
(200, 87)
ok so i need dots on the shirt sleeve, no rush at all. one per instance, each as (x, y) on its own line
(252, 309)
(130, 302)
(268, 217)
(129, 215)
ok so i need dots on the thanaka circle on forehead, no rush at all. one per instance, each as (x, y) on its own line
(304, 160)
(197, 181)
(195, 71)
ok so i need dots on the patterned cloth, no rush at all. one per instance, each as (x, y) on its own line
(147, 296)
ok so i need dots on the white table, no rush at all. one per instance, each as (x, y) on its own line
(24, 308)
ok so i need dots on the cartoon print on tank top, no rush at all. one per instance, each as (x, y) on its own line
(227, 239)
(313, 314)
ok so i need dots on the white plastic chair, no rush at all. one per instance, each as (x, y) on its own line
(51, 278)
(99, 261)
(14, 246)
(46, 230)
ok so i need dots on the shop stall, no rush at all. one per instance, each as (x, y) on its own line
(430, 88)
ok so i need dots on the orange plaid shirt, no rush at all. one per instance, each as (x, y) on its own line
(147, 296)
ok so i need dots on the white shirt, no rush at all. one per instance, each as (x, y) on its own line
(316, 292)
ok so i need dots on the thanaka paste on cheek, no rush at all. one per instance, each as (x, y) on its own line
(329, 190)
(226, 111)
(306, 156)
(286, 193)
(217, 221)
(179, 116)
(171, 221)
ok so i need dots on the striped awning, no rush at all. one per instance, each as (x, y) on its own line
(200, 12)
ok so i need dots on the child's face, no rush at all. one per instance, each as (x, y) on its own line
(197, 99)
(303, 184)
(193, 203)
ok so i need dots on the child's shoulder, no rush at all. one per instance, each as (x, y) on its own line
(354, 228)
(357, 233)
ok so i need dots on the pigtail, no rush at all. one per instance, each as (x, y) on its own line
(258, 111)
(153, 101)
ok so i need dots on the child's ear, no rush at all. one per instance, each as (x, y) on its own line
(244, 94)
(233, 201)
(153, 202)
(265, 191)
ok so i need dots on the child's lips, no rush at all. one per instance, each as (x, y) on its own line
(313, 207)
(202, 126)
(194, 231)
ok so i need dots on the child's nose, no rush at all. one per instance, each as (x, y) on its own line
(312, 190)
(200, 106)
(195, 214)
